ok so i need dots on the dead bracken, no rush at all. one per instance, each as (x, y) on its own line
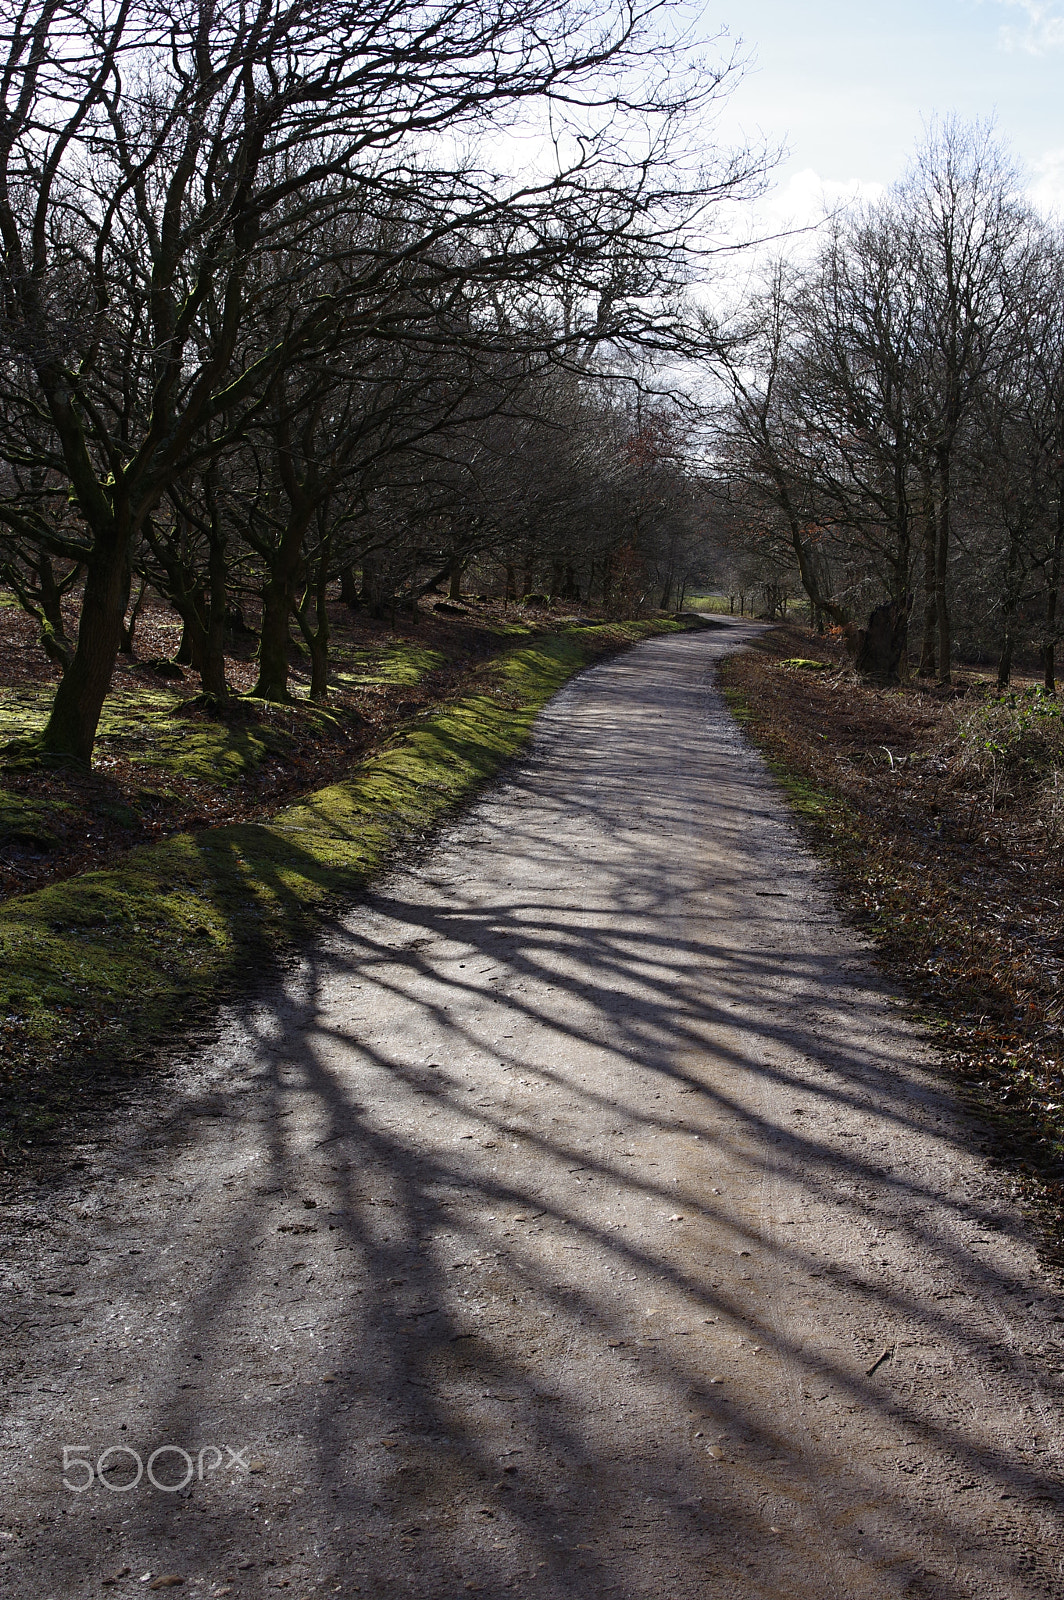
(942, 814)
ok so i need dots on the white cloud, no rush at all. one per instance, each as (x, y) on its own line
(1042, 32)
(1047, 189)
(806, 199)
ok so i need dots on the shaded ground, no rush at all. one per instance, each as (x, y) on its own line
(942, 813)
(582, 1218)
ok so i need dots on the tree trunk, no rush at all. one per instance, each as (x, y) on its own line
(129, 628)
(370, 592)
(318, 638)
(274, 641)
(53, 629)
(881, 646)
(942, 618)
(212, 665)
(318, 646)
(1009, 603)
(1049, 658)
(75, 714)
(926, 669)
(454, 579)
(187, 653)
(46, 608)
(348, 588)
(279, 602)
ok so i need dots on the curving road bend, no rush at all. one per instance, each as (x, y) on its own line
(582, 1218)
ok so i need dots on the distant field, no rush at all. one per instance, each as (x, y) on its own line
(719, 603)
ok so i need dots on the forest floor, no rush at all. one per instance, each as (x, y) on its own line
(939, 810)
(162, 764)
(581, 1218)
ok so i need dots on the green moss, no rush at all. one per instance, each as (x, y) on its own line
(24, 711)
(25, 821)
(143, 725)
(214, 752)
(129, 715)
(95, 967)
(810, 802)
(396, 663)
(802, 664)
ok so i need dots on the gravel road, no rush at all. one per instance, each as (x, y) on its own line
(583, 1217)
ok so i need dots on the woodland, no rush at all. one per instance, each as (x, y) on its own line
(341, 299)
(370, 303)
(892, 438)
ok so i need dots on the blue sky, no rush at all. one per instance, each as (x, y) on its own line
(847, 86)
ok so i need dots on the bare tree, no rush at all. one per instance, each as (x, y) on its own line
(168, 174)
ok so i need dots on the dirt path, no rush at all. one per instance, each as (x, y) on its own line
(583, 1220)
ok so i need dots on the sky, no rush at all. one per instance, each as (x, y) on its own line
(848, 88)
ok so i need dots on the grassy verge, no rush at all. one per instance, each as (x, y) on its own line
(96, 969)
(937, 814)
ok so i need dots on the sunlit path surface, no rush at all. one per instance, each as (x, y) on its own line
(582, 1219)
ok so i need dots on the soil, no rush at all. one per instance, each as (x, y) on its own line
(582, 1217)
